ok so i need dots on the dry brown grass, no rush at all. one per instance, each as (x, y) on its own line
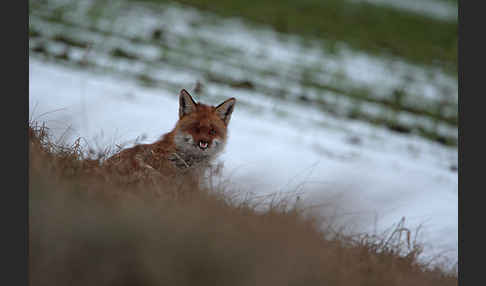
(89, 227)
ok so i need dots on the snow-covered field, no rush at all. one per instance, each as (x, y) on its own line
(377, 175)
(280, 139)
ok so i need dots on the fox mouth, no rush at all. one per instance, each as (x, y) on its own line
(203, 145)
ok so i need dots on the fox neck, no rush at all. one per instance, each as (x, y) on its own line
(182, 160)
(183, 153)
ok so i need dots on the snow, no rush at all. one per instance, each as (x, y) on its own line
(254, 50)
(438, 9)
(374, 182)
(385, 177)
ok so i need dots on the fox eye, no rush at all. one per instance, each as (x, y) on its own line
(212, 131)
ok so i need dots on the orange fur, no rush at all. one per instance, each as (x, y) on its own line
(198, 137)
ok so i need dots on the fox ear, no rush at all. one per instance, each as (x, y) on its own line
(186, 103)
(225, 109)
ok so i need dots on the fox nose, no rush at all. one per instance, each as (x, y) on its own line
(203, 144)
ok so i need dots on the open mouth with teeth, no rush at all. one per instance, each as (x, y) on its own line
(203, 145)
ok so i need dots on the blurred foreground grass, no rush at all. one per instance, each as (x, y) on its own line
(87, 227)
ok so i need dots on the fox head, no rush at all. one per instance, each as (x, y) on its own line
(202, 129)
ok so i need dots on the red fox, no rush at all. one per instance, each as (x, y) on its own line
(198, 136)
